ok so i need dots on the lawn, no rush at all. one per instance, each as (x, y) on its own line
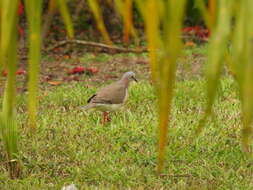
(71, 146)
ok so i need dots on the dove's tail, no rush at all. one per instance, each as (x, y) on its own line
(87, 107)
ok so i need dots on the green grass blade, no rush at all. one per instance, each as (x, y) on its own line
(33, 11)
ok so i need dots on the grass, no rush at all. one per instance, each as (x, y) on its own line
(73, 147)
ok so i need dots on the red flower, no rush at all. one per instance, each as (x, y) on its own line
(20, 8)
(198, 31)
(77, 70)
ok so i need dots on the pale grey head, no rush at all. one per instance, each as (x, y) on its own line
(127, 77)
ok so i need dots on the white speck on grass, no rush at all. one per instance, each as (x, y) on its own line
(69, 187)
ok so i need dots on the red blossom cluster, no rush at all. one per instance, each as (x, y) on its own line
(20, 12)
(81, 70)
(198, 31)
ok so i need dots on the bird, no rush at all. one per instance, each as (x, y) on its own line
(112, 97)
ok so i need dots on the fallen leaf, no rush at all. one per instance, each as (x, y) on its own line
(4, 73)
(196, 54)
(76, 78)
(92, 70)
(142, 62)
(66, 57)
(190, 44)
(55, 83)
(20, 72)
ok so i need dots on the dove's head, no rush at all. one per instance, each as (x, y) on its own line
(127, 77)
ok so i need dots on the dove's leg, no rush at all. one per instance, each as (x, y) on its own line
(106, 117)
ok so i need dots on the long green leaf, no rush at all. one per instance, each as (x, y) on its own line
(48, 17)
(125, 10)
(8, 16)
(33, 11)
(219, 42)
(99, 18)
(7, 117)
(152, 27)
(242, 53)
(212, 7)
(171, 47)
(66, 17)
(204, 11)
(8, 128)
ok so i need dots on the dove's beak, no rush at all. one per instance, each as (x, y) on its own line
(135, 79)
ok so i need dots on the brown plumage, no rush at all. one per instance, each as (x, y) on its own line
(112, 94)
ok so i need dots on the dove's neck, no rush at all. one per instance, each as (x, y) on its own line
(125, 82)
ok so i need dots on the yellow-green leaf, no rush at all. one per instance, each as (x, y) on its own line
(8, 16)
(125, 10)
(242, 49)
(33, 11)
(66, 17)
(99, 18)
(215, 58)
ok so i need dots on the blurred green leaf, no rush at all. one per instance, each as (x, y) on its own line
(7, 117)
(212, 8)
(33, 11)
(8, 129)
(204, 11)
(125, 10)
(66, 17)
(152, 27)
(8, 17)
(242, 53)
(215, 58)
(172, 24)
(48, 17)
(127, 20)
(99, 18)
